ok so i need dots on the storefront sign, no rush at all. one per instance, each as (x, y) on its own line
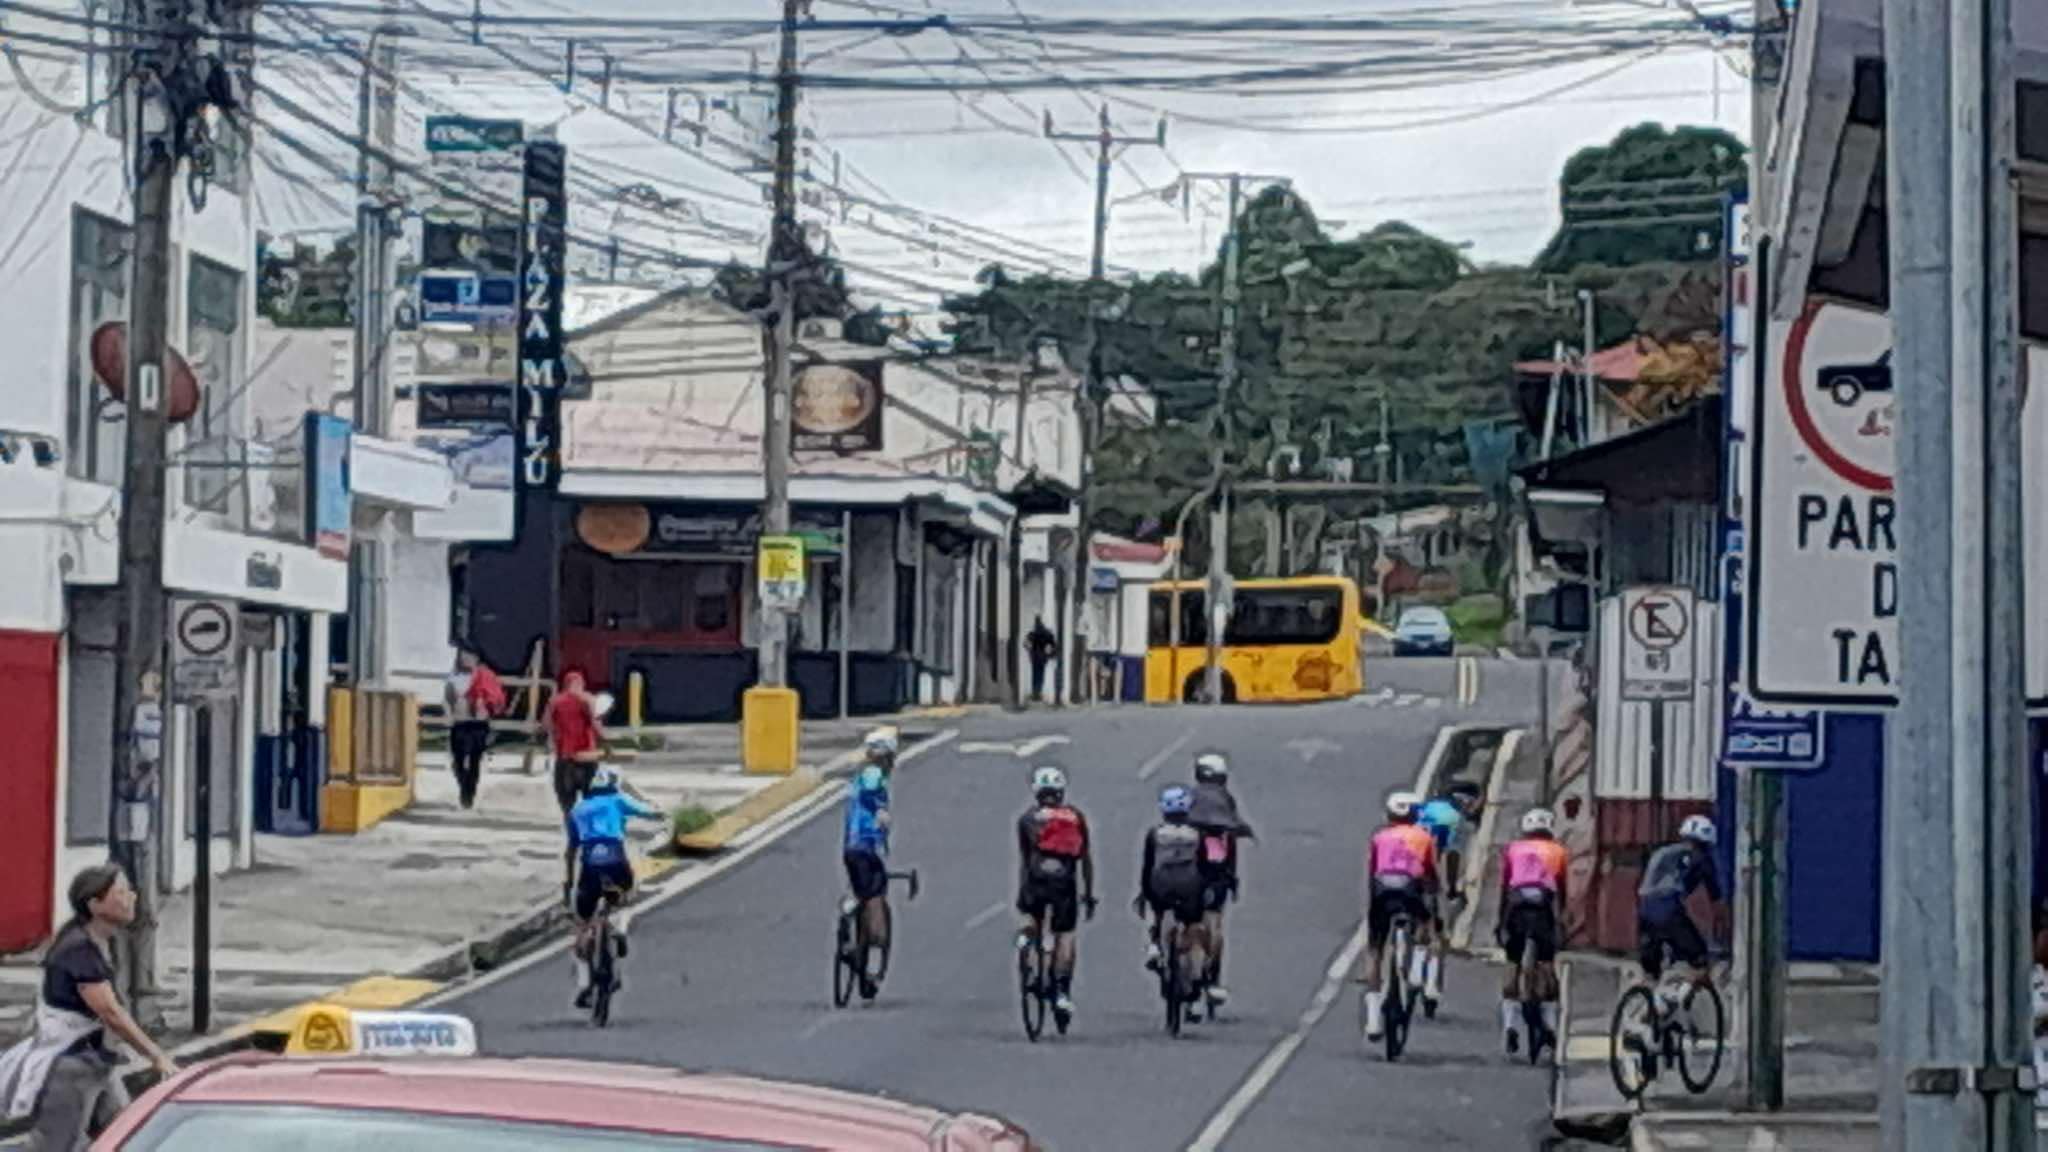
(837, 408)
(465, 405)
(780, 563)
(326, 485)
(734, 532)
(540, 315)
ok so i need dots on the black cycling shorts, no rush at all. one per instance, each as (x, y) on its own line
(1674, 931)
(593, 881)
(1388, 903)
(1187, 902)
(866, 874)
(1533, 924)
(1056, 897)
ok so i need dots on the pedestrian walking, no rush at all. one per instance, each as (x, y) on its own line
(63, 1073)
(1043, 647)
(474, 696)
(576, 739)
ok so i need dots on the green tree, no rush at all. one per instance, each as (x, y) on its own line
(1650, 195)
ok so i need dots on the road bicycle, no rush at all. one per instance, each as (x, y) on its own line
(1680, 1022)
(1179, 985)
(607, 950)
(1533, 1026)
(1403, 984)
(850, 944)
(1035, 989)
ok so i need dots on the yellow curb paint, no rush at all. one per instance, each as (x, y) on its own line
(652, 867)
(754, 810)
(1587, 1049)
(373, 993)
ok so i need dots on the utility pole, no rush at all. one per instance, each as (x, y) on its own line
(785, 252)
(377, 116)
(1088, 402)
(1015, 675)
(1956, 1016)
(168, 98)
(1586, 378)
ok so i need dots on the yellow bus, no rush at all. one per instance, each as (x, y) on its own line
(1287, 639)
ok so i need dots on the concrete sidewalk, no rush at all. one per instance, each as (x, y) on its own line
(434, 892)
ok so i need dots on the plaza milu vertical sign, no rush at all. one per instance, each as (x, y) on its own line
(544, 248)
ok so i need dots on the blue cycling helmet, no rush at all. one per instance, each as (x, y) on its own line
(869, 780)
(1175, 800)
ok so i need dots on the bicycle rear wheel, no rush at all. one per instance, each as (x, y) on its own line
(601, 973)
(1702, 1037)
(1631, 1044)
(844, 974)
(1532, 1027)
(1169, 981)
(1031, 988)
(1394, 1007)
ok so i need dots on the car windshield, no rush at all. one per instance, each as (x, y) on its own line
(1424, 618)
(274, 1128)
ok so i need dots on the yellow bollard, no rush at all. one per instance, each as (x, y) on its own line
(636, 696)
(770, 731)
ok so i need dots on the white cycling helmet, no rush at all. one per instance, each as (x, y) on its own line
(1048, 779)
(1698, 829)
(1211, 766)
(882, 741)
(605, 778)
(1402, 805)
(1537, 820)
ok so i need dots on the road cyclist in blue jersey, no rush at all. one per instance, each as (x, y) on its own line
(865, 852)
(604, 871)
(1448, 818)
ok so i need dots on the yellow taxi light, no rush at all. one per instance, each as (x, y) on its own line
(332, 1030)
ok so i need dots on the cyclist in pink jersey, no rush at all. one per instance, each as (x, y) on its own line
(1401, 879)
(1532, 883)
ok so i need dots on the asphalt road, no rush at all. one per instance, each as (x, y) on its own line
(734, 975)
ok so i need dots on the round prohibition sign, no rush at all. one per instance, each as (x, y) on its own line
(204, 629)
(1658, 621)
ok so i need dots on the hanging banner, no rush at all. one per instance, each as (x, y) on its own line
(780, 564)
(540, 314)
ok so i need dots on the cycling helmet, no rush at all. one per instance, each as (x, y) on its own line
(1174, 800)
(1211, 766)
(880, 742)
(1538, 821)
(1402, 805)
(869, 780)
(1048, 779)
(605, 779)
(1698, 829)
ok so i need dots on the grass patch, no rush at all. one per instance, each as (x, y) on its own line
(1478, 619)
(692, 818)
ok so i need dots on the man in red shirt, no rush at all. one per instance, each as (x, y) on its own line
(574, 734)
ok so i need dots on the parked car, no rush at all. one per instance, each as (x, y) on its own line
(1423, 632)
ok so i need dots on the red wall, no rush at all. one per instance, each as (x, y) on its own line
(28, 786)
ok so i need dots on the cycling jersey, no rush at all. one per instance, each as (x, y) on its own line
(867, 830)
(597, 825)
(1404, 851)
(1673, 873)
(1533, 862)
(1445, 824)
(1051, 838)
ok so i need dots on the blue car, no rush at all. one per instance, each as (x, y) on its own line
(1423, 632)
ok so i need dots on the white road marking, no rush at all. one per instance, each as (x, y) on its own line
(986, 914)
(1311, 747)
(1037, 744)
(822, 1023)
(1407, 699)
(1227, 1117)
(1023, 750)
(1160, 757)
(743, 848)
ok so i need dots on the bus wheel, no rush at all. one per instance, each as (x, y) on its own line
(1191, 692)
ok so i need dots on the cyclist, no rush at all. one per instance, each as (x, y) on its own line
(1532, 871)
(1215, 813)
(1401, 877)
(866, 852)
(1170, 874)
(1673, 873)
(879, 746)
(1446, 818)
(597, 837)
(1052, 845)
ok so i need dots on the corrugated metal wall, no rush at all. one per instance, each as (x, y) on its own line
(1622, 762)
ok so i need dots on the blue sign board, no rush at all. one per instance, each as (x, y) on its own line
(327, 488)
(1767, 738)
(466, 298)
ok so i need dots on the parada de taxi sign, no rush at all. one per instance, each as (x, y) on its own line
(332, 1030)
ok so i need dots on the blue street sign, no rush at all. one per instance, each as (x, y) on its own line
(1767, 738)
(466, 298)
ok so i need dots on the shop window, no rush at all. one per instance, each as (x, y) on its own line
(213, 346)
(94, 429)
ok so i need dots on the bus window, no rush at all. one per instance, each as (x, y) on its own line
(1159, 618)
(1285, 616)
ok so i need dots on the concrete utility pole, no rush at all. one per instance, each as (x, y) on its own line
(1956, 1020)
(1219, 425)
(1089, 400)
(1014, 678)
(785, 249)
(377, 117)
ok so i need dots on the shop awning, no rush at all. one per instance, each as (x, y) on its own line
(985, 512)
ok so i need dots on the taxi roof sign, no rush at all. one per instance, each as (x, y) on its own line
(332, 1030)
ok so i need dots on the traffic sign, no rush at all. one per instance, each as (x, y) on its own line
(1657, 644)
(204, 663)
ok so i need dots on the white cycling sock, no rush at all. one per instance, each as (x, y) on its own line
(1373, 1003)
(582, 971)
(1433, 979)
(1550, 1018)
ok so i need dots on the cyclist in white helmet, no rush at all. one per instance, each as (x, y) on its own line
(1673, 873)
(597, 840)
(1216, 814)
(1532, 890)
(1052, 846)
(1402, 878)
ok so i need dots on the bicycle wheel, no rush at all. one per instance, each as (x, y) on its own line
(1031, 988)
(1631, 1049)
(1394, 1008)
(601, 976)
(1703, 1037)
(844, 974)
(1532, 1027)
(1169, 981)
(888, 939)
